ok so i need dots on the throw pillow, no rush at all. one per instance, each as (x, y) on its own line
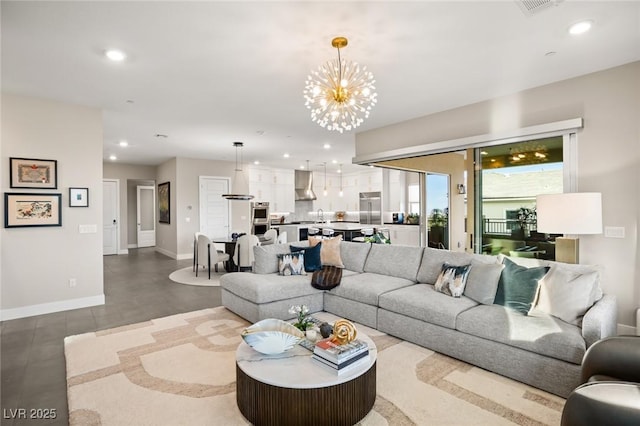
(312, 261)
(566, 294)
(326, 278)
(291, 264)
(330, 251)
(482, 283)
(452, 279)
(518, 286)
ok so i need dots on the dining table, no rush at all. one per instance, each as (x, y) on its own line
(230, 249)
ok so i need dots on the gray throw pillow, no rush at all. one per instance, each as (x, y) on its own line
(482, 282)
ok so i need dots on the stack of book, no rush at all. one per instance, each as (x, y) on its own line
(341, 358)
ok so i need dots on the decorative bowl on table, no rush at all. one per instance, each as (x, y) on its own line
(272, 336)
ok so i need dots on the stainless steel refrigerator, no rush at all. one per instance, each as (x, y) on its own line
(371, 208)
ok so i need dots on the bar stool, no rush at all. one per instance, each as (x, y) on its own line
(327, 232)
(312, 232)
(366, 232)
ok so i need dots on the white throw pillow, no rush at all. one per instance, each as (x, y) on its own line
(567, 294)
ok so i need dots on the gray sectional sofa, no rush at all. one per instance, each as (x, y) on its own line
(390, 288)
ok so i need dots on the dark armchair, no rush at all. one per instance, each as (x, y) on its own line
(610, 394)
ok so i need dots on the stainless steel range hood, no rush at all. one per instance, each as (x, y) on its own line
(304, 185)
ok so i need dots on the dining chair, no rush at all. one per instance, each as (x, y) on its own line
(243, 255)
(195, 249)
(270, 237)
(206, 256)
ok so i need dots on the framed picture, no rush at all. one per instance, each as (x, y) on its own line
(32, 173)
(78, 197)
(26, 209)
(164, 191)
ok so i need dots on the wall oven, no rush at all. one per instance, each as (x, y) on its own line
(259, 217)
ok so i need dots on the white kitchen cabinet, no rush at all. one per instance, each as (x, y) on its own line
(407, 235)
(275, 186)
(370, 181)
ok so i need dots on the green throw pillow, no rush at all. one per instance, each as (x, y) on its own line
(518, 286)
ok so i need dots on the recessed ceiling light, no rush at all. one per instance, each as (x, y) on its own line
(580, 27)
(256, 162)
(334, 161)
(113, 158)
(327, 146)
(123, 143)
(484, 152)
(301, 166)
(115, 55)
(286, 155)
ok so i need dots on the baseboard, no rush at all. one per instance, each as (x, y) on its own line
(624, 329)
(133, 245)
(167, 252)
(184, 256)
(123, 251)
(48, 308)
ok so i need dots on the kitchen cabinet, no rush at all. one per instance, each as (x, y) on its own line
(407, 235)
(275, 186)
(260, 183)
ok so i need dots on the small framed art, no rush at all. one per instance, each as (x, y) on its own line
(78, 197)
(164, 192)
(30, 209)
(33, 173)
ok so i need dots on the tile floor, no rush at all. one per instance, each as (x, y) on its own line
(136, 287)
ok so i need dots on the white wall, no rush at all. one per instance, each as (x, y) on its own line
(38, 262)
(166, 242)
(187, 176)
(608, 156)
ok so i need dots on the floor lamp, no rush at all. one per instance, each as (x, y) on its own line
(576, 213)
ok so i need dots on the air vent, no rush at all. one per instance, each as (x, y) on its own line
(531, 7)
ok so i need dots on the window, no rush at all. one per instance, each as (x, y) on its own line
(414, 199)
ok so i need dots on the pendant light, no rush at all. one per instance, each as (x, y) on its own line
(243, 197)
(341, 193)
(325, 179)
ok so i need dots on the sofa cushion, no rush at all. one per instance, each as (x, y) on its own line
(394, 260)
(266, 257)
(432, 260)
(330, 251)
(452, 279)
(574, 268)
(518, 286)
(422, 302)
(567, 294)
(291, 264)
(538, 332)
(482, 283)
(265, 288)
(354, 255)
(312, 260)
(367, 287)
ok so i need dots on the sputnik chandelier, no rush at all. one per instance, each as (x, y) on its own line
(340, 94)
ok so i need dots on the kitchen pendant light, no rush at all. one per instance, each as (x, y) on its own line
(325, 179)
(341, 193)
(242, 197)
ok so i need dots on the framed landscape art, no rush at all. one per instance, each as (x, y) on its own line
(27, 209)
(164, 208)
(33, 173)
(78, 197)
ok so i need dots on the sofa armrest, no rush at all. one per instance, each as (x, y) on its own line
(601, 320)
(613, 358)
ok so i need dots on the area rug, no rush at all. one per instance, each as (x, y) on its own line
(187, 276)
(180, 370)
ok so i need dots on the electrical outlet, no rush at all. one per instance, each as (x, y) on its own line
(72, 282)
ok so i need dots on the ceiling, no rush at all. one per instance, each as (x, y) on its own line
(206, 74)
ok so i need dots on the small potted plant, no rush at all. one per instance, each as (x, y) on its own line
(303, 322)
(413, 218)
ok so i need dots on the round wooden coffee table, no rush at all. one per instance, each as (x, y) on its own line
(291, 389)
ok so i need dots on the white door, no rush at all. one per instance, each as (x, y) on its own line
(214, 210)
(146, 216)
(110, 218)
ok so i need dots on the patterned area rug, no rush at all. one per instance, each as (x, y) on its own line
(187, 276)
(181, 370)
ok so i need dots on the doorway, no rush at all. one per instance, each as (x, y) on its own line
(110, 216)
(437, 203)
(146, 215)
(214, 209)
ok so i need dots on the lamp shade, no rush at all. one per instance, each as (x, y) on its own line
(572, 213)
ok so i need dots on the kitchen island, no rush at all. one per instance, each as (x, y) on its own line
(299, 231)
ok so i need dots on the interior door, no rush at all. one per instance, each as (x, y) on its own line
(214, 210)
(146, 216)
(110, 220)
